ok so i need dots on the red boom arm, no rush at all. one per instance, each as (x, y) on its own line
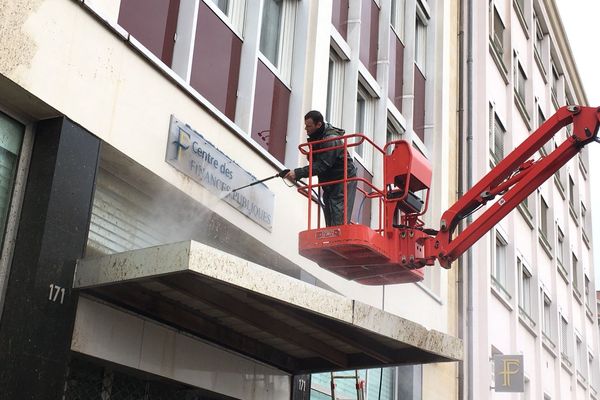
(514, 178)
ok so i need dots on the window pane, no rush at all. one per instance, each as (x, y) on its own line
(498, 33)
(397, 16)
(329, 90)
(546, 326)
(222, 4)
(420, 44)
(361, 105)
(500, 267)
(11, 137)
(544, 217)
(560, 250)
(271, 30)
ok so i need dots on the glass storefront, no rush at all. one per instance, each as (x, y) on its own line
(379, 384)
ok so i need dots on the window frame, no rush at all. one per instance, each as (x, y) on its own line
(398, 18)
(547, 320)
(335, 88)
(497, 135)
(285, 47)
(525, 298)
(364, 153)
(233, 16)
(499, 266)
(565, 342)
(520, 81)
(421, 36)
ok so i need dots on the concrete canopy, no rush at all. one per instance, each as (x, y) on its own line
(252, 310)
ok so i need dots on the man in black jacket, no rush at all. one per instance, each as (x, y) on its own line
(329, 166)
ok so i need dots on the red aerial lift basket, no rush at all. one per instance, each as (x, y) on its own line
(386, 246)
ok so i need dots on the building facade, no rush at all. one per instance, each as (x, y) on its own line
(533, 274)
(125, 126)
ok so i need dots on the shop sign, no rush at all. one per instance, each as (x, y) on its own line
(196, 157)
(509, 373)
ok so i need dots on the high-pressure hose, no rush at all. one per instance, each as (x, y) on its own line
(277, 175)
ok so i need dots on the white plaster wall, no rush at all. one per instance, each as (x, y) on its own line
(500, 319)
(126, 339)
(547, 373)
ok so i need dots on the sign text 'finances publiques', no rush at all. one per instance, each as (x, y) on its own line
(197, 158)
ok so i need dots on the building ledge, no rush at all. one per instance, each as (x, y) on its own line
(273, 318)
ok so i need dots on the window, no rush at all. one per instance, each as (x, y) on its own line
(525, 303)
(271, 30)
(575, 274)
(539, 39)
(564, 339)
(276, 34)
(421, 42)
(497, 29)
(397, 17)
(585, 224)
(11, 138)
(544, 218)
(499, 268)
(547, 316)
(589, 298)
(497, 134)
(394, 130)
(365, 107)
(592, 369)
(223, 5)
(581, 355)
(520, 5)
(560, 247)
(335, 89)
(520, 81)
(554, 84)
(571, 192)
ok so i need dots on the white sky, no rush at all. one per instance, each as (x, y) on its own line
(581, 19)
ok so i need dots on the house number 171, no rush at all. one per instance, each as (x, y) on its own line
(57, 293)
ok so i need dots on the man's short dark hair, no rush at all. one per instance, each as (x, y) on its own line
(315, 116)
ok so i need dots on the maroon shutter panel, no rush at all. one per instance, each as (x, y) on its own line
(369, 35)
(396, 71)
(419, 111)
(339, 17)
(216, 61)
(270, 117)
(153, 23)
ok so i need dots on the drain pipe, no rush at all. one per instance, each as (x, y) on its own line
(460, 275)
(469, 184)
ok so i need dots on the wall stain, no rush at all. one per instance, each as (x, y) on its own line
(17, 47)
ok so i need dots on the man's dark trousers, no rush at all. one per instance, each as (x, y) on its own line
(333, 199)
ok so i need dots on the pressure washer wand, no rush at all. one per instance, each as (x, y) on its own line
(280, 175)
